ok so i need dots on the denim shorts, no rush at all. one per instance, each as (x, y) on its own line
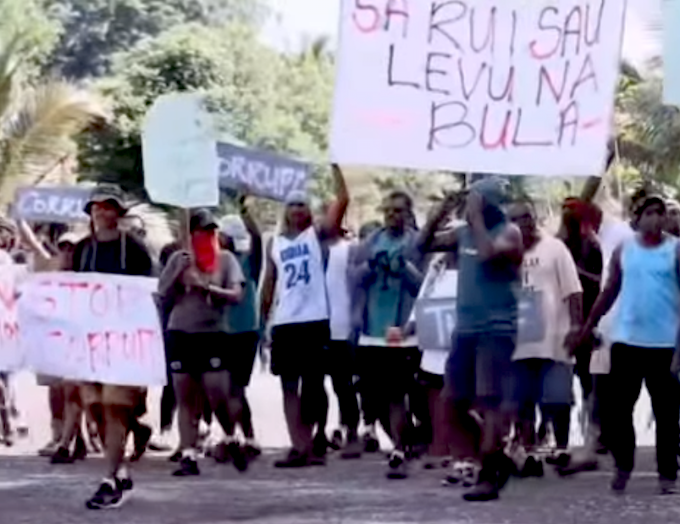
(479, 369)
(542, 381)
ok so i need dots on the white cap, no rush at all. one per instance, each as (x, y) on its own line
(233, 227)
(297, 197)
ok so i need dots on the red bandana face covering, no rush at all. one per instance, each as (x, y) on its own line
(205, 246)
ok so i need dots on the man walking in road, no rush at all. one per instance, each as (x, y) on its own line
(478, 371)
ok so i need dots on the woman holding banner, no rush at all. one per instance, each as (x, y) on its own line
(198, 286)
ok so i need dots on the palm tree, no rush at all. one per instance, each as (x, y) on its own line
(37, 123)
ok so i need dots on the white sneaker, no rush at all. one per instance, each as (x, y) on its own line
(463, 473)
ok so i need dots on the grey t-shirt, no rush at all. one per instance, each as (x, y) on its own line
(193, 310)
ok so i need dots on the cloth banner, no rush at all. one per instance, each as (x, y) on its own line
(12, 356)
(93, 327)
(259, 173)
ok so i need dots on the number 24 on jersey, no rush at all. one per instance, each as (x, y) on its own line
(297, 273)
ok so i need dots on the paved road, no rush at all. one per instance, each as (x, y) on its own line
(33, 492)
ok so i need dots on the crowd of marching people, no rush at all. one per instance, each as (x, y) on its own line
(533, 311)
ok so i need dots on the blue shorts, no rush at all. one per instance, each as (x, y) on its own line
(542, 381)
(479, 369)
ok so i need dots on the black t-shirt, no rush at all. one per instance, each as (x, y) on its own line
(588, 258)
(124, 256)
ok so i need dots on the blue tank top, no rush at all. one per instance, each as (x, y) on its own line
(649, 302)
(487, 290)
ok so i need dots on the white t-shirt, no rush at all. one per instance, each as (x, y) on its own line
(339, 300)
(301, 280)
(549, 277)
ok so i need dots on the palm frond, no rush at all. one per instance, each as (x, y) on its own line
(38, 135)
(11, 57)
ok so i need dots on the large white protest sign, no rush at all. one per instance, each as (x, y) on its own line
(12, 355)
(671, 52)
(93, 327)
(510, 87)
(180, 164)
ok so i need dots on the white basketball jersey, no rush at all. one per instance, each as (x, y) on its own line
(301, 280)
(339, 300)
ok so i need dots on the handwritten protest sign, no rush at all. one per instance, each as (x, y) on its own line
(671, 52)
(12, 356)
(436, 320)
(178, 147)
(510, 87)
(259, 173)
(60, 204)
(93, 327)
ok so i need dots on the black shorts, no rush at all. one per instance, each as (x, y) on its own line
(198, 353)
(242, 350)
(340, 359)
(299, 349)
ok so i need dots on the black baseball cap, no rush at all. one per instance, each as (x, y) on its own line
(647, 201)
(107, 193)
(203, 220)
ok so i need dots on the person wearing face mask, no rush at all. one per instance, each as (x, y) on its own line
(199, 285)
(387, 273)
(110, 250)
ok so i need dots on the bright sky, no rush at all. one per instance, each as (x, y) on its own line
(299, 19)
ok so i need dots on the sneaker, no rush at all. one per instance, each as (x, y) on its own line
(620, 481)
(463, 473)
(125, 484)
(188, 467)
(49, 449)
(238, 457)
(108, 496)
(352, 450)
(482, 492)
(62, 456)
(160, 443)
(667, 487)
(371, 444)
(175, 457)
(252, 450)
(533, 467)
(397, 466)
(220, 453)
(80, 449)
(559, 459)
(295, 459)
(579, 466)
(142, 437)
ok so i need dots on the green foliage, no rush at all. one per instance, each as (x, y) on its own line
(26, 36)
(95, 30)
(262, 98)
